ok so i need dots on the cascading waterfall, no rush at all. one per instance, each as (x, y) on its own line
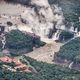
(72, 29)
(56, 35)
(3, 40)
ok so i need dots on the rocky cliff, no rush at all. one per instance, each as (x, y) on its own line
(46, 20)
(42, 19)
(39, 17)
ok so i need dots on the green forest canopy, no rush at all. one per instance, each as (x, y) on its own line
(16, 39)
(71, 51)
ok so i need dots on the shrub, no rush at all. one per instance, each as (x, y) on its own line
(18, 40)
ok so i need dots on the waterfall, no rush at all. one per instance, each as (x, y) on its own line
(70, 65)
(56, 35)
(72, 28)
(3, 40)
(76, 29)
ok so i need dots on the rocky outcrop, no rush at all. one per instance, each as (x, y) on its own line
(42, 19)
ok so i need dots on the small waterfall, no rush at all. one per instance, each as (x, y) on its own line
(71, 64)
(3, 40)
(76, 29)
(56, 35)
(72, 29)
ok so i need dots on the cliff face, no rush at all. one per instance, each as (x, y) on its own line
(38, 16)
(42, 19)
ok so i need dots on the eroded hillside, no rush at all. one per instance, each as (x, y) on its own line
(45, 20)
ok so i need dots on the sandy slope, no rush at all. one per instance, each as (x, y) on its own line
(45, 53)
(11, 9)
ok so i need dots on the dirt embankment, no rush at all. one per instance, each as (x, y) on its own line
(45, 53)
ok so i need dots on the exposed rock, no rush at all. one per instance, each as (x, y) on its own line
(42, 3)
(41, 18)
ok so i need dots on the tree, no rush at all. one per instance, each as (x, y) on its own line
(18, 40)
